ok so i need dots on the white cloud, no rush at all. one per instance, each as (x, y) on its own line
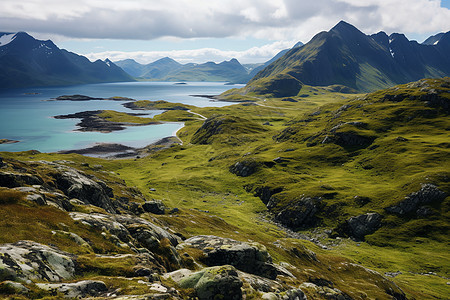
(252, 55)
(270, 19)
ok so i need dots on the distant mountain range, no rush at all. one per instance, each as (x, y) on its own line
(346, 56)
(26, 61)
(167, 69)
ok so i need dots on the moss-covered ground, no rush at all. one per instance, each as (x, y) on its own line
(409, 146)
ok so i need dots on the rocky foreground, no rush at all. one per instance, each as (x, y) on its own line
(138, 250)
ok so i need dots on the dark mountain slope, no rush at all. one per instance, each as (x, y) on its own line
(346, 56)
(26, 61)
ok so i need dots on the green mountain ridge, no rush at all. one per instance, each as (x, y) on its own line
(346, 56)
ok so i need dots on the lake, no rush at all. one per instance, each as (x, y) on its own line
(26, 116)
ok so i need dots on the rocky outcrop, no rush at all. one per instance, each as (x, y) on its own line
(154, 207)
(77, 290)
(299, 214)
(265, 193)
(428, 193)
(360, 226)
(248, 257)
(244, 167)
(292, 294)
(220, 282)
(76, 184)
(325, 291)
(27, 260)
(136, 233)
(12, 180)
(348, 139)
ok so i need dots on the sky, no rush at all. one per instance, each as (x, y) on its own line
(252, 31)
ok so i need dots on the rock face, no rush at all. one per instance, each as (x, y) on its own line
(265, 193)
(428, 193)
(248, 257)
(215, 283)
(79, 289)
(244, 168)
(360, 226)
(299, 214)
(136, 233)
(154, 207)
(11, 180)
(27, 260)
(75, 184)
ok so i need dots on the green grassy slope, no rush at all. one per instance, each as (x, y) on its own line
(323, 145)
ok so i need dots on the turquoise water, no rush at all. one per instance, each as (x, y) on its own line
(26, 116)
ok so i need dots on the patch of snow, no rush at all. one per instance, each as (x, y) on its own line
(392, 52)
(435, 43)
(6, 39)
(107, 63)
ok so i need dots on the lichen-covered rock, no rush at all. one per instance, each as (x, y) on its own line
(324, 292)
(248, 257)
(292, 294)
(75, 184)
(79, 289)
(428, 193)
(136, 233)
(27, 260)
(215, 283)
(104, 223)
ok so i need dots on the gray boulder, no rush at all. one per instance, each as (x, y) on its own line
(154, 207)
(136, 233)
(299, 214)
(428, 193)
(245, 167)
(215, 283)
(27, 260)
(362, 225)
(75, 184)
(292, 294)
(79, 289)
(248, 257)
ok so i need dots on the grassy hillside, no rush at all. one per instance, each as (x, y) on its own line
(252, 168)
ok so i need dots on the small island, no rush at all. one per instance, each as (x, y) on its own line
(77, 97)
(7, 141)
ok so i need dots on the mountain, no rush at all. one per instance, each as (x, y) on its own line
(26, 61)
(346, 56)
(434, 39)
(167, 69)
(155, 70)
(276, 57)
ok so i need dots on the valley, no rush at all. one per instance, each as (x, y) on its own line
(289, 176)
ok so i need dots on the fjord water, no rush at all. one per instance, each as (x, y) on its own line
(26, 116)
